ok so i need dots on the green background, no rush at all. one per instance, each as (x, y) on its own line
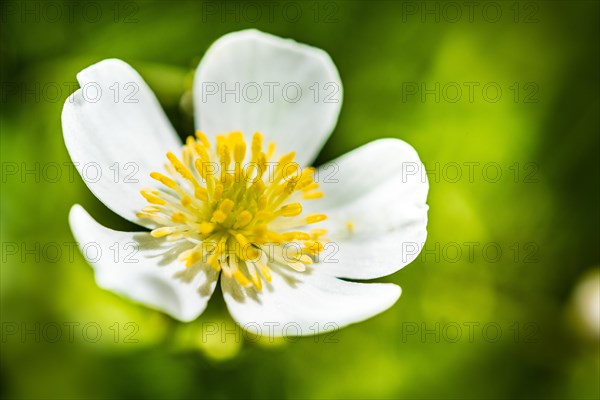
(542, 212)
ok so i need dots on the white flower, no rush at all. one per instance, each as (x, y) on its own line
(201, 220)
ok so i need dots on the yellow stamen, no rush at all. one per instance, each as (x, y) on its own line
(231, 204)
(350, 226)
(241, 278)
(291, 210)
(203, 139)
(206, 228)
(311, 219)
(168, 182)
(163, 231)
(312, 195)
(152, 197)
(178, 217)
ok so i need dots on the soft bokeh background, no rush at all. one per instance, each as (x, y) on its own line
(545, 219)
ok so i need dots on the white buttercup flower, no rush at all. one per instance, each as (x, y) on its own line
(238, 201)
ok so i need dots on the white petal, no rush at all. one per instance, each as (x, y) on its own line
(142, 268)
(116, 134)
(375, 198)
(251, 59)
(305, 303)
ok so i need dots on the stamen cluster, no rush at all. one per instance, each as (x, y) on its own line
(241, 211)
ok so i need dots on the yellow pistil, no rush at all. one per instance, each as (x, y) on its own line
(240, 211)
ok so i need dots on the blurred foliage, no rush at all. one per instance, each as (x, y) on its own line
(381, 48)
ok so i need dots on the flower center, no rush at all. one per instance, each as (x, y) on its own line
(241, 212)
